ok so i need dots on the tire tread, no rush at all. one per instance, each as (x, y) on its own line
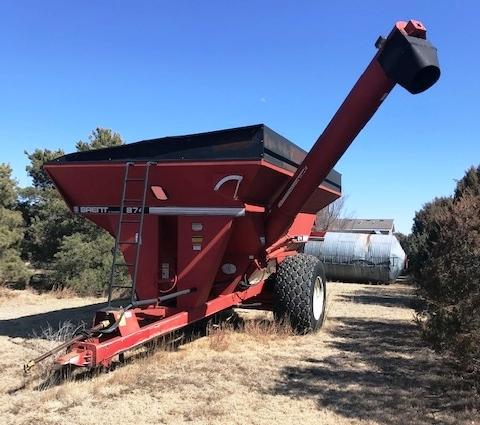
(293, 291)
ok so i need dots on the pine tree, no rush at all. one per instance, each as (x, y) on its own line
(12, 268)
(445, 260)
(100, 138)
(78, 252)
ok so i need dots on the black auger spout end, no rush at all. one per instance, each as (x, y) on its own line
(408, 58)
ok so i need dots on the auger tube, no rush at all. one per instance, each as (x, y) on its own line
(404, 57)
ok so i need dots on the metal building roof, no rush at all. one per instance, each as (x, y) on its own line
(365, 225)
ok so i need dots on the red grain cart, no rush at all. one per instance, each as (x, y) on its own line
(210, 221)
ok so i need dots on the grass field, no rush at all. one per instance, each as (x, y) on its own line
(367, 366)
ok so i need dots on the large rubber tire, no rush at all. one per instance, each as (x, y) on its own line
(300, 290)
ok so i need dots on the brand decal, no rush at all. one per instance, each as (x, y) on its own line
(93, 210)
(107, 210)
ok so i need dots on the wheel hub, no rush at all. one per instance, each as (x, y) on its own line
(318, 298)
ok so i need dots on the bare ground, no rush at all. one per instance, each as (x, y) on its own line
(367, 366)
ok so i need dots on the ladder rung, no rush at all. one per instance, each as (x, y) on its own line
(139, 205)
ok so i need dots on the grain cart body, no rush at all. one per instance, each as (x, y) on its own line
(203, 220)
(205, 204)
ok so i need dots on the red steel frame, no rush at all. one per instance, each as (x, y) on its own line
(246, 222)
(94, 351)
(224, 239)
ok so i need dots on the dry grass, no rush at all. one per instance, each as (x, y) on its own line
(258, 326)
(7, 294)
(218, 338)
(367, 366)
(63, 293)
(45, 372)
(264, 330)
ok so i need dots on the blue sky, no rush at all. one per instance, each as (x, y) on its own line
(155, 68)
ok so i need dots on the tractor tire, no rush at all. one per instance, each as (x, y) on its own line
(300, 288)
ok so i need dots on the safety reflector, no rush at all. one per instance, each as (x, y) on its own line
(159, 193)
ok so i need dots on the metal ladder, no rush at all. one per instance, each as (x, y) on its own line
(129, 206)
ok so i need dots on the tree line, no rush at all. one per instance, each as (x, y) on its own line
(444, 259)
(39, 233)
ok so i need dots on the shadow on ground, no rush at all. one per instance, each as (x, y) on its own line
(382, 373)
(28, 326)
(387, 300)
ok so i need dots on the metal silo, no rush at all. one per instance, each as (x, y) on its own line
(358, 257)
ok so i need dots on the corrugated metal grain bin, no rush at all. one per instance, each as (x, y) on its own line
(357, 257)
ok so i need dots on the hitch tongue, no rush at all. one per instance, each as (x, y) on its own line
(27, 367)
